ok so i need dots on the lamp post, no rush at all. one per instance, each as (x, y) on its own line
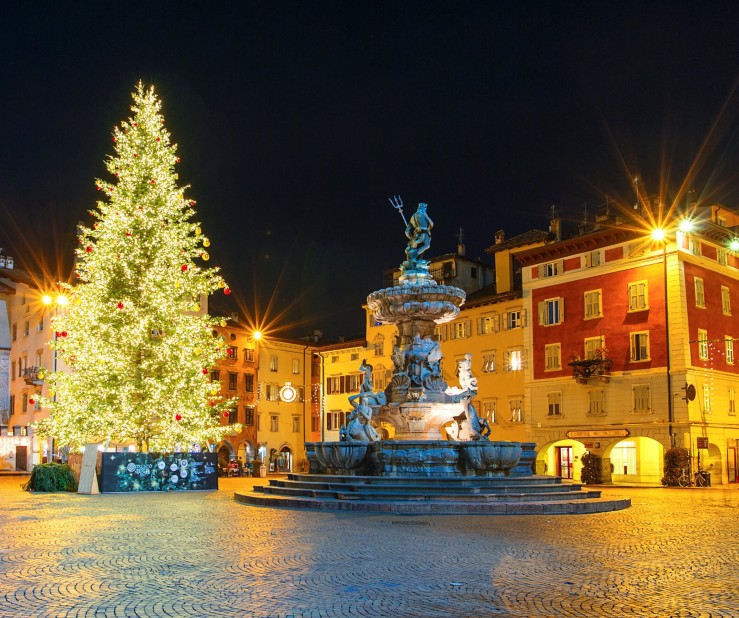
(659, 235)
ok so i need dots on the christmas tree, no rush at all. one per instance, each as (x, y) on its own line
(135, 337)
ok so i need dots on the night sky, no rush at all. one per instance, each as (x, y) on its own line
(297, 120)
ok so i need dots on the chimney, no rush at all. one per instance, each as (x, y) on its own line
(460, 243)
(499, 236)
(554, 225)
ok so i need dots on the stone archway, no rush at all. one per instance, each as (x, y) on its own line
(713, 462)
(561, 458)
(225, 454)
(636, 459)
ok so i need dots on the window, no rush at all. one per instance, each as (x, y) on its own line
(516, 409)
(700, 297)
(721, 256)
(40, 325)
(233, 380)
(273, 392)
(725, 300)
(488, 361)
(249, 382)
(248, 416)
(215, 375)
(514, 319)
(488, 410)
(355, 381)
(355, 356)
(12, 371)
(639, 346)
(296, 424)
(513, 360)
(24, 402)
(694, 246)
(552, 357)
(461, 329)
(249, 355)
(301, 394)
(593, 258)
(334, 359)
(732, 402)
(594, 347)
(233, 416)
(440, 332)
(702, 344)
(593, 307)
(273, 363)
(259, 422)
(296, 366)
(729, 349)
(641, 398)
(334, 385)
(232, 352)
(638, 296)
(596, 402)
(489, 324)
(315, 423)
(334, 420)
(26, 329)
(550, 270)
(379, 377)
(473, 272)
(551, 311)
(706, 398)
(379, 345)
(274, 422)
(14, 331)
(554, 404)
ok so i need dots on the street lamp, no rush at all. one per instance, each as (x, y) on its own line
(660, 235)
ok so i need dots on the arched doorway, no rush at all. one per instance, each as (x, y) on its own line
(225, 455)
(561, 458)
(246, 451)
(282, 460)
(712, 461)
(636, 459)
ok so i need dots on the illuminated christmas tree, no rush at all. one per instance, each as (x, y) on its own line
(135, 338)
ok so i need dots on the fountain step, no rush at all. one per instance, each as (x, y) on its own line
(447, 507)
(437, 487)
(482, 495)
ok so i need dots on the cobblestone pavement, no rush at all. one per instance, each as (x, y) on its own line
(674, 553)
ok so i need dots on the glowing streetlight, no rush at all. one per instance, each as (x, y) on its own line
(257, 335)
(658, 234)
(687, 225)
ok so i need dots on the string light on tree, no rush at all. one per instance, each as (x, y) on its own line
(138, 267)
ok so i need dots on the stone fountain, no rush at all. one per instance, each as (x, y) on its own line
(435, 454)
(434, 428)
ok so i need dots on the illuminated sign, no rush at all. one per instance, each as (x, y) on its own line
(598, 433)
(288, 393)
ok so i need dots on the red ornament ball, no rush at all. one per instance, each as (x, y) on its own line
(211, 403)
(178, 417)
(184, 268)
(114, 138)
(64, 333)
(135, 154)
(31, 401)
(153, 181)
(205, 372)
(88, 249)
(157, 139)
(225, 414)
(120, 305)
(227, 291)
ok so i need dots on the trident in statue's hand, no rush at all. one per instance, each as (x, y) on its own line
(398, 205)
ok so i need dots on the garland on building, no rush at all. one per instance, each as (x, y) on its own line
(137, 343)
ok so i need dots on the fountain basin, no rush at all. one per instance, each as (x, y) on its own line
(484, 457)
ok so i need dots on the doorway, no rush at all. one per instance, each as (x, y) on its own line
(563, 456)
(731, 464)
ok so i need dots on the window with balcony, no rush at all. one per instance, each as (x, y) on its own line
(594, 348)
(639, 346)
(553, 357)
(700, 296)
(638, 296)
(593, 305)
(551, 311)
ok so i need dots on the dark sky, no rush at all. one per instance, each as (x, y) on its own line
(297, 120)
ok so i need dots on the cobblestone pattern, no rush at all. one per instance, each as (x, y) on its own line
(675, 553)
